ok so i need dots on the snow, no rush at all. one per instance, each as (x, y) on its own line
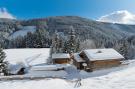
(103, 54)
(42, 84)
(78, 58)
(124, 79)
(46, 74)
(23, 31)
(49, 67)
(27, 56)
(15, 68)
(120, 79)
(60, 55)
(5, 14)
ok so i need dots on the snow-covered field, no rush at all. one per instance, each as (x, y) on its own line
(123, 79)
(23, 31)
(115, 78)
(27, 56)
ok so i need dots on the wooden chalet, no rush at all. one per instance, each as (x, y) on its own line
(78, 61)
(60, 58)
(93, 59)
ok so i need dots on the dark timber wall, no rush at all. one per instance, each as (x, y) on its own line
(61, 61)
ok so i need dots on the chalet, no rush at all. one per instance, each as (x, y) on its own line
(60, 58)
(78, 61)
(93, 59)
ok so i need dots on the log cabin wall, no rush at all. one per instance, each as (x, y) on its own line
(78, 64)
(98, 64)
(84, 56)
(61, 61)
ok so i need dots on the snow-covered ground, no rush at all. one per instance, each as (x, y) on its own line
(27, 56)
(115, 78)
(23, 31)
(123, 79)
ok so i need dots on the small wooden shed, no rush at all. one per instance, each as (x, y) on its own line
(93, 59)
(60, 58)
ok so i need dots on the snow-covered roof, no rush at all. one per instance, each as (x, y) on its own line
(78, 58)
(102, 54)
(13, 69)
(49, 67)
(60, 55)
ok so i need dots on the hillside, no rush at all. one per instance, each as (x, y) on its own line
(83, 26)
(90, 33)
(62, 23)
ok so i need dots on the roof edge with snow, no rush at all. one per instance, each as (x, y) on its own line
(60, 55)
(102, 54)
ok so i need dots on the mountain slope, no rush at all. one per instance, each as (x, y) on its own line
(62, 23)
(84, 28)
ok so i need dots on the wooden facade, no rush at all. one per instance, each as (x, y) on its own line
(96, 63)
(60, 58)
(61, 61)
(78, 61)
(99, 64)
(78, 64)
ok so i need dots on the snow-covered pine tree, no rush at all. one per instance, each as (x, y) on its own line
(40, 36)
(3, 64)
(124, 49)
(87, 44)
(49, 60)
(60, 46)
(29, 40)
(55, 46)
(78, 45)
(55, 43)
(72, 41)
(37, 39)
(65, 47)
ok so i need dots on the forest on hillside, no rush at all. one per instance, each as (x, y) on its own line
(88, 33)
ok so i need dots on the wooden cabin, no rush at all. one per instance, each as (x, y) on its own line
(60, 58)
(93, 59)
(78, 61)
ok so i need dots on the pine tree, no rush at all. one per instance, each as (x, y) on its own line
(65, 47)
(29, 40)
(78, 45)
(72, 41)
(3, 64)
(41, 38)
(124, 49)
(49, 60)
(55, 43)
